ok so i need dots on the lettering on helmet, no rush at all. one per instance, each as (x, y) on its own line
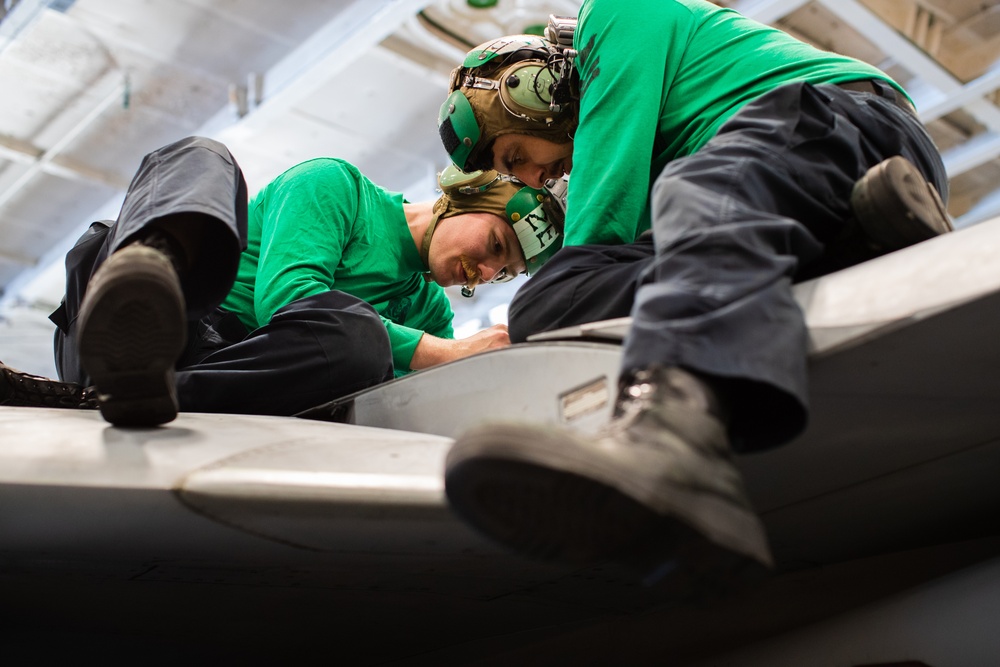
(535, 232)
(547, 235)
(532, 218)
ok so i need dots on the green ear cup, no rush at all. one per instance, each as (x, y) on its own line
(458, 127)
(527, 86)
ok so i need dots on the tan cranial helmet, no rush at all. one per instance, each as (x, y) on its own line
(535, 215)
(521, 84)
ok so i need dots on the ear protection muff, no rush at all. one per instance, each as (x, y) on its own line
(526, 89)
(458, 127)
(525, 69)
(519, 83)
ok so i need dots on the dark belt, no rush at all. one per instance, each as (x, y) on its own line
(869, 86)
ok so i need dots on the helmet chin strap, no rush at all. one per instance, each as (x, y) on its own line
(425, 251)
(425, 246)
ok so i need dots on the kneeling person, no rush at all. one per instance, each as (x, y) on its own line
(324, 285)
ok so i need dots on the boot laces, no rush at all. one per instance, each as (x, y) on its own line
(27, 390)
(643, 389)
(637, 392)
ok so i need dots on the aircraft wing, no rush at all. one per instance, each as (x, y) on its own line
(251, 535)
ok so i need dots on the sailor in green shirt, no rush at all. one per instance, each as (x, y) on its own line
(324, 284)
(755, 160)
(322, 225)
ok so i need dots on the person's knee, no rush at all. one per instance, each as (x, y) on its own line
(581, 284)
(528, 314)
(198, 143)
(370, 360)
(351, 333)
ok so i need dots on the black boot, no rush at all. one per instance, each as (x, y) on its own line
(18, 388)
(132, 330)
(896, 207)
(655, 490)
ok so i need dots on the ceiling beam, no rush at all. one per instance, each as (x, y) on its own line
(18, 150)
(45, 161)
(909, 56)
(23, 152)
(985, 209)
(973, 90)
(19, 17)
(977, 150)
(21, 260)
(332, 49)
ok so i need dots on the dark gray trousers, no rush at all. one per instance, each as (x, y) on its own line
(765, 203)
(312, 351)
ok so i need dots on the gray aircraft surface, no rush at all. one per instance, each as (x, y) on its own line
(252, 539)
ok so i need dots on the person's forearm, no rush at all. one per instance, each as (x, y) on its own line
(431, 350)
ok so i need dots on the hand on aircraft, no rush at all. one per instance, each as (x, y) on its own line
(432, 350)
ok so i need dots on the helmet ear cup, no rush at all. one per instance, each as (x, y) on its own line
(458, 127)
(526, 89)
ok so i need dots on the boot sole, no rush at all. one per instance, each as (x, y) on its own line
(132, 331)
(539, 500)
(897, 207)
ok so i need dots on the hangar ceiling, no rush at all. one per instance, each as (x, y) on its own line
(90, 86)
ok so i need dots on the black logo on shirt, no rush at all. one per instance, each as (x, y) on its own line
(398, 309)
(590, 71)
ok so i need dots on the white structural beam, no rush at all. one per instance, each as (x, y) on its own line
(330, 50)
(22, 152)
(19, 17)
(976, 151)
(12, 258)
(987, 208)
(44, 161)
(972, 91)
(949, 94)
(901, 49)
(910, 56)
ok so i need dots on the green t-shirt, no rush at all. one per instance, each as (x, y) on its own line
(661, 77)
(322, 225)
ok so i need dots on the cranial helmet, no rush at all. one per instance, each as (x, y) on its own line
(520, 84)
(536, 215)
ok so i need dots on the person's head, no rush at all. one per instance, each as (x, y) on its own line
(488, 228)
(512, 106)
